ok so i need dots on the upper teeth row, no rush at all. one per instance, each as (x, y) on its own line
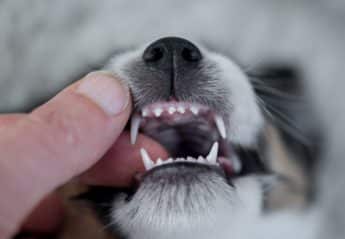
(136, 120)
(157, 111)
(211, 159)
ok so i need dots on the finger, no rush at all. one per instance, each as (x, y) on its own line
(9, 120)
(58, 141)
(122, 161)
(47, 217)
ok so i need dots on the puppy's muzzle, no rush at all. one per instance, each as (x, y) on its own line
(171, 56)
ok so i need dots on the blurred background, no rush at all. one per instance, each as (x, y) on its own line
(45, 45)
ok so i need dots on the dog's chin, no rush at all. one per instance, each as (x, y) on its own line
(187, 200)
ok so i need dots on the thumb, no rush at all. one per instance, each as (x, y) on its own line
(58, 141)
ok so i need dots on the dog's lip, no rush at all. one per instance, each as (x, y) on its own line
(140, 177)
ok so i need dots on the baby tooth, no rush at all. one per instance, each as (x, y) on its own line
(220, 126)
(201, 159)
(194, 110)
(158, 112)
(135, 123)
(181, 109)
(144, 113)
(159, 161)
(171, 110)
(148, 163)
(212, 155)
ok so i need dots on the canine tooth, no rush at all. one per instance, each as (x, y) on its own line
(148, 163)
(181, 109)
(212, 155)
(194, 109)
(220, 126)
(171, 110)
(135, 123)
(158, 112)
(159, 161)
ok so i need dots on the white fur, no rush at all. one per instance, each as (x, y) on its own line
(117, 64)
(246, 118)
(224, 215)
(233, 215)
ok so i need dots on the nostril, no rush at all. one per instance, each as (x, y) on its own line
(191, 54)
(171, 60)
(153, 54)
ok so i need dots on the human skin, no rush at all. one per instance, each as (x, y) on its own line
(76, 135)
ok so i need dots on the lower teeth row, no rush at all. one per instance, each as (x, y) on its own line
(211, 158)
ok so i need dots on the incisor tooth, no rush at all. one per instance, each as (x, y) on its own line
(158, 112)
(194, 110)
(201, 159)
(171, 110)
(144, 113)
(212, 155)
(135, 124)
(189, 158)
(181, 109)
(148, 163)
(220, 126)
(159, 161)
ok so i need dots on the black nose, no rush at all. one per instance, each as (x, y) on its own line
(172, 56)
(166, 49)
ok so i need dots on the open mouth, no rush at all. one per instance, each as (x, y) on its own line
(192, 134)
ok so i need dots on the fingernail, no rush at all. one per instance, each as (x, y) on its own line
(106, 91)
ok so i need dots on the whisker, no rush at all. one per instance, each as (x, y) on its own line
(275, 92)
(287, 124)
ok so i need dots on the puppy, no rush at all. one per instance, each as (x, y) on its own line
(231, 136)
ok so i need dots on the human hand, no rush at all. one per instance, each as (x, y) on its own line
(63, 139)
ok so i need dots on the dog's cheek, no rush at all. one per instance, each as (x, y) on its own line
(250, 194)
